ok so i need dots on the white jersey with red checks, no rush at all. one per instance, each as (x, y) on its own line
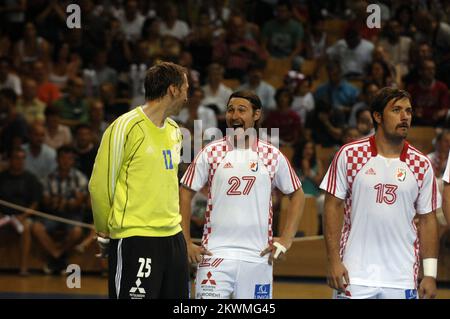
(379, 243)
(239, 211)
(446, 176)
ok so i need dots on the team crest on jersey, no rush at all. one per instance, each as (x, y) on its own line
(254, 166)
(401, 174)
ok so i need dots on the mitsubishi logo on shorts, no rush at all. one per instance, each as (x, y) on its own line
(205, 281)
(138, 288)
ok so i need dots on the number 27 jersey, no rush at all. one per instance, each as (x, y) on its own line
(239, 210)
(379, 242)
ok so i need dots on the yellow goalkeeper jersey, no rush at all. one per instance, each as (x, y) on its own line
(134, 183)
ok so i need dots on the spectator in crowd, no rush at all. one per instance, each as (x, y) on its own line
(101, 73)
(369, 90)
(238, 51)
(256, 84)
(131, 21)
(29, 105)
(152, 37)
(323, 124)
(380, 74)
(404, 15)
(85, 149)
(19, 187)
(282, 37)
(119, 50)
(364, 122)
(419, 53)
(64, 194)
(303, 100)
(316, 40)
(337, 92)
(311, 170)
(56, 134)
(439, 156)
(65, 65)
(9, 79)
(349, 135)
(74, 108)
(13, 126)
(193, 74)
(429, 96)
(113, 105)
(30, 48)
(96, 120)
(353, 54)
(173, 26)
(284, 118)
(196, 111)
(215, 91)
(396, 46)
(40, 158)
(47, 92)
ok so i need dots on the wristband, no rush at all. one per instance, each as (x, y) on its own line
(430, 267)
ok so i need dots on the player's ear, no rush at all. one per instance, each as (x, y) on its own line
(377, 116)
(171, 90)
(256, 114)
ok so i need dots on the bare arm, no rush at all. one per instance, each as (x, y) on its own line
(446, 202)
(195, 252)
(294, 215)
(331, 225)
(186, 196)
(429, 248)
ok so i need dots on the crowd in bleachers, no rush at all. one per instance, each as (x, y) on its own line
(314, 64)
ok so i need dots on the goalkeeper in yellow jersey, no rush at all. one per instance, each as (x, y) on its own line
(134, 191)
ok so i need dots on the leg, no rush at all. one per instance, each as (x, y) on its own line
(254, 281)
(74, 236)
(25, 242)
(40, 232)
(215, 278)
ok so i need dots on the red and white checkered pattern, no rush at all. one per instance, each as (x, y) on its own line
(418, 164)
(216, 153)
(357, 157)
(207, 226)
(269, 155)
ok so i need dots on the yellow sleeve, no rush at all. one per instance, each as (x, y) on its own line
(104, 176)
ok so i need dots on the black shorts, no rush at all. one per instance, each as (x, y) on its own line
(148, 268)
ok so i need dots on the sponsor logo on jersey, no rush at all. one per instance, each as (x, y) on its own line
(137, 288)
(228, 165)
(254, 166)
(208, 279)
(401, 174)
(371, 171)
(411, 294)
(262, 291)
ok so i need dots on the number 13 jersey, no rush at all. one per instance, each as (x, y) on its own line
(239, 214)
(379, 242)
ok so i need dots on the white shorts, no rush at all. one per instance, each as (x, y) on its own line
(365, 292)
(218, 278)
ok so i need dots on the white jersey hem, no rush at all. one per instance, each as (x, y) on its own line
(381, 284)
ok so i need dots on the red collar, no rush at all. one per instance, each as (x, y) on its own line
(374, 151)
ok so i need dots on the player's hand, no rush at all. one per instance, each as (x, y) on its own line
(196, 252)
(427, 288)
(278, 249)
(103, 243)
(337, 273)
